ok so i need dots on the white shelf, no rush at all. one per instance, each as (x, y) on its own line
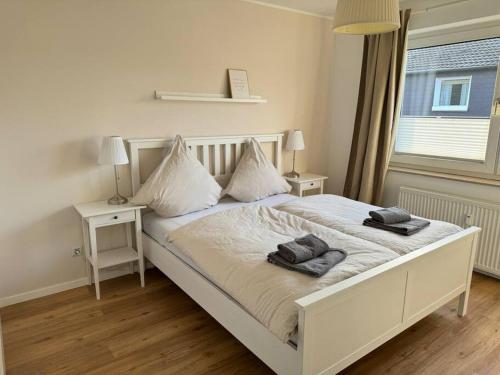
(110, 258)
(193, 97)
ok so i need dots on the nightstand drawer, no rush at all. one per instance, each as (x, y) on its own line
(110, 219)
(311, 185)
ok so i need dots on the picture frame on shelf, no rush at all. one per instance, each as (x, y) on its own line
(238, 83)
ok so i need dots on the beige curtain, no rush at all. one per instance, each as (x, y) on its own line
(378, 106)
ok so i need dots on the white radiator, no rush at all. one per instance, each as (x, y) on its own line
(464, 212)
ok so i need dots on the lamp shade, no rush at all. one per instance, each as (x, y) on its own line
(295, 141)
(364, 17)
(113, 151)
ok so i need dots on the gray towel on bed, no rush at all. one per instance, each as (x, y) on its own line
(406, 228)
(315, 267)
(391, 215)
(302, 249)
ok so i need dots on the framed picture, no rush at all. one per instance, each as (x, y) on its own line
(238, 82)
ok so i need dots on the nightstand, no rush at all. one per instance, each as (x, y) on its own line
(306, 182)
(100, 214)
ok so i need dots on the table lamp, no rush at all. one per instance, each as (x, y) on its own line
(113, 152)
(295, 142)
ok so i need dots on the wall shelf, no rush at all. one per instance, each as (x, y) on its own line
(194, 97)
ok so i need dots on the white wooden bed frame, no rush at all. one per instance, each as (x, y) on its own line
(339, 324)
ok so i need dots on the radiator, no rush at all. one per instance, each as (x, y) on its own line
(464, 212)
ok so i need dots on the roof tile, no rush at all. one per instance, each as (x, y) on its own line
(466, 55)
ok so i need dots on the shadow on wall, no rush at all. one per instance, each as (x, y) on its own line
(74, 157)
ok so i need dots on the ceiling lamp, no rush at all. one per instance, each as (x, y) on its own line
(364, 17)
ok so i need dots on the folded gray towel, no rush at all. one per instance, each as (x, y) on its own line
(302, 249)
(315, 267)
(406, 228)
(391, 215)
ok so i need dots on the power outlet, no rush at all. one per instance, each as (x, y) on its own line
(77, 251)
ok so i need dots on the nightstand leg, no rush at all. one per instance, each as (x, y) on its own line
(93, 251)
(96, 282)
(86, 253)
(138, 240)
(130, 244)
(321, 187)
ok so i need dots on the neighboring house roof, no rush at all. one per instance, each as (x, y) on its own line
(467, 55)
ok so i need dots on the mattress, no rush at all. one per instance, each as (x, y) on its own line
(159, 227)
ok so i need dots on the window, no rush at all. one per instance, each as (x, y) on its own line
(452, 94)
(446, 121)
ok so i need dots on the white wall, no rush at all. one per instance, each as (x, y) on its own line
(347, 59)
(347, 55)
(74, 71)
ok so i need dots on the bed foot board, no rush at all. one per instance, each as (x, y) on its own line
(368, 309)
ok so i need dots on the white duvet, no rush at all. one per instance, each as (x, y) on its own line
(231, 248)
(347, 215)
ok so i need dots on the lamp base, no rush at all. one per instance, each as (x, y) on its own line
(293, 174)
(117, 199)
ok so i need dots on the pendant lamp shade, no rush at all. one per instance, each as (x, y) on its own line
(113, 151)
(365, 17)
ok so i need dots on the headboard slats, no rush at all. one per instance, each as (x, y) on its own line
(228, 160)
(205, 161)
(238, 154)
(217, 160)
(222, 147)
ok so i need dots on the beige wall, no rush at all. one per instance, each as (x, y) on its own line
(73, 71)
(347, 59)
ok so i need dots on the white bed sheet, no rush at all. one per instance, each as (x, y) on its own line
(347, 215)
(159, 227)
(231, 248)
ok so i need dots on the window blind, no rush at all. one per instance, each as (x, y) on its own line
(460, 138)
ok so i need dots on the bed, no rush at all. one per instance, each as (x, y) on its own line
(364, 310)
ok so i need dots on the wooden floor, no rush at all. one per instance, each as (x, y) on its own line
(159, 329)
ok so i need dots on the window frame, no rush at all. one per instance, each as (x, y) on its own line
(438, 85)
(490, 167)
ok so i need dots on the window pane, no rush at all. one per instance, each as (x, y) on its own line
(448, 99)
(456, 94)
(446, 93)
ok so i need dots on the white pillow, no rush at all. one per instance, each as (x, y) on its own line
(255, 176)
(179, 185)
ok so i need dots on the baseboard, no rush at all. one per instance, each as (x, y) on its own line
(42, 292)
(52, 289)
(488, 272)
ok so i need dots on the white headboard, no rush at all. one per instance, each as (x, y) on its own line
(219, 155)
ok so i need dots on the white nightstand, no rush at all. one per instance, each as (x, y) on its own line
(306, 181)
(101, 214)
